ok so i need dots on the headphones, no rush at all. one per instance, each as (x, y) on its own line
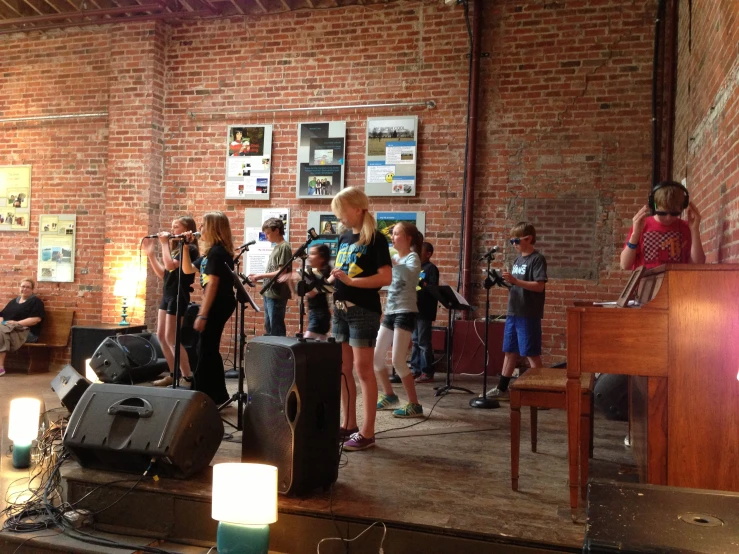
(664, 184)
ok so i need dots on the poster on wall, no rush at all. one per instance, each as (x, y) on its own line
(392, 156)
(321, 151)
(56, 234)
(15, 197)
(328, 227)
(248, 162)
(258, 254)
(387, 220)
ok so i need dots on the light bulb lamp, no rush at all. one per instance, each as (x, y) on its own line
(244, 504)
(23, 429)
(124, 288)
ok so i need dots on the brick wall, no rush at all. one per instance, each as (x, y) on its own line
(563, 132)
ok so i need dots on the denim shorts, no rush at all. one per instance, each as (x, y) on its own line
(319, 321)
(403, 320)
(522, 335)
(356, 325)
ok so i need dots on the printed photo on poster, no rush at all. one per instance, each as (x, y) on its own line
(248, 155)
(391, 162)
(321, 151)
(387, 220)
(15, 197)
(56, 248)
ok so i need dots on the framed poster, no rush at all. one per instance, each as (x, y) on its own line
(328, 227)
(248, 162)
(254, 218)
(391, 156)
(15, 197)
(321, 151)
(56, 234)
(387, 220)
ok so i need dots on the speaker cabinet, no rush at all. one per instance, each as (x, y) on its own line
(69, 386)
(128, 359)
(121, 428)
(291, 418)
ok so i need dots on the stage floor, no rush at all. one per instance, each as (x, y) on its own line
(451, 472)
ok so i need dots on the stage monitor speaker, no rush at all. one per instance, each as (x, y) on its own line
(128, 359)
(69, 386)
(291, 418)
(122, 428)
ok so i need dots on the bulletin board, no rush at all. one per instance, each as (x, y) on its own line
(321, 153)
(248, 162)
(56, 248)
(254, 218)
(392, 156)
(15, 197)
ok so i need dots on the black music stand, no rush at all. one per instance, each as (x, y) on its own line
(446, 296)
(243, 298)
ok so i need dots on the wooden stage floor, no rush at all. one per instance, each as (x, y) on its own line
(451, 472)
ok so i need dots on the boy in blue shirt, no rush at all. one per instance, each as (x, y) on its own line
(522, 336)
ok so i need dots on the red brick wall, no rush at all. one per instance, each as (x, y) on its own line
(564, 114)
(706, 139)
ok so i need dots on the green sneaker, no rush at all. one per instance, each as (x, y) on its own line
(387, 401)
(409, 410)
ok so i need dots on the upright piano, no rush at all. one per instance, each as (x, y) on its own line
(680, 343)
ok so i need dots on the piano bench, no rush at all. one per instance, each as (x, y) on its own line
(544, 387)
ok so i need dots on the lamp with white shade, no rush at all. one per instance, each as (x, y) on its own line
(23, 429)
(244, 504)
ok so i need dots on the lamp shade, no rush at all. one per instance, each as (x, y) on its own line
(24, 413)
(245, 494)
(125, 287)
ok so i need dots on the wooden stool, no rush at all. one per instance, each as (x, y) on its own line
(544, 387)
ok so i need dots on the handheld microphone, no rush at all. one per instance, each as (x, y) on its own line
(247, 245)
(195, 235)
(493, 250)
(151, 237)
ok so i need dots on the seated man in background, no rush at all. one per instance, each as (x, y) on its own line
(20, 321)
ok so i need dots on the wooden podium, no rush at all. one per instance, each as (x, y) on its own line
(682, 343)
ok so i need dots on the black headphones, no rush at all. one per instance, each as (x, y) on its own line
(664, 184)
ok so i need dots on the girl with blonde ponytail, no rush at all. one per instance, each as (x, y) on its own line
(362, 268)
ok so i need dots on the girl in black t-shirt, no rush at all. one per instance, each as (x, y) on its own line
(219, 302)
(319, 316)
(362, 268)
(168, 269)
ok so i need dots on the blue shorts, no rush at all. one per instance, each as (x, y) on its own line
(522, 335)
(356, 325)
(403, 320)
(319, 321)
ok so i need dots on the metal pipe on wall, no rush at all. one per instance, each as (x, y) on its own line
(52, 117)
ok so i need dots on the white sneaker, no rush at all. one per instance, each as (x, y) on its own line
(497, 394)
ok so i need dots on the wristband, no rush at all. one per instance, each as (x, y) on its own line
(202, 317)
(632, 246)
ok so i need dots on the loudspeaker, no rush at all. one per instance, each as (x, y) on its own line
(291, 418)
(129, 359)
(121, 428)
(611, 396)
(69, 386)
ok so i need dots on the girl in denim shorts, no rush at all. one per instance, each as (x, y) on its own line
(399, 321)
(319, 316)
(362, 268)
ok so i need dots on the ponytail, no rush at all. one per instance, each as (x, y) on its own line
(368, 229)
(416, 237)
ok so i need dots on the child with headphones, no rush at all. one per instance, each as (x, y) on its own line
(663, 237)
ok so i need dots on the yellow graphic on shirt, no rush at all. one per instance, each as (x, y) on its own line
(348, 256)
(673, 245)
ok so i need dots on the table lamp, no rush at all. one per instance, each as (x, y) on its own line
(124, 288)
(244, 504)
(23, 429)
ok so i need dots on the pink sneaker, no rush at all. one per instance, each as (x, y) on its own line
(2, 371)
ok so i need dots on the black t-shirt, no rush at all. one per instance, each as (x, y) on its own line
(170, 277)
(522, 302)
(16, 311)
(361, 260)
(200, 264)
(220, 263)
(427, 304)
(319, 301)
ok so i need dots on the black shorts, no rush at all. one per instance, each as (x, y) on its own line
(319, 321)
(169, 304)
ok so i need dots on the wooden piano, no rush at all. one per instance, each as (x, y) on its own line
(681, 342)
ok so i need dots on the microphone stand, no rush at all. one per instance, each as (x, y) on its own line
(177, 330)
(492, 279)
(301, 252)
(236, 371)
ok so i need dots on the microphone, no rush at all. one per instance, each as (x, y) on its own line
(312, 234)
(195, 235)
(246, 280)
(247, 245)
(493, 250)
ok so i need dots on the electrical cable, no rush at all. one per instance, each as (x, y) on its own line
(346, 541)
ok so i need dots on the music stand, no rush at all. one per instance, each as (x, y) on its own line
(446, 296)
(243, 298)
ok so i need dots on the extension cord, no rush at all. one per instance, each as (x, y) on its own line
(79, 518)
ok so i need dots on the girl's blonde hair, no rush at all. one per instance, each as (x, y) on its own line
(217, 230)
(353, 197)
(189, 223)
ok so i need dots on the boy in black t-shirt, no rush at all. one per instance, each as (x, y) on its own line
(422, 355)
(522, 335)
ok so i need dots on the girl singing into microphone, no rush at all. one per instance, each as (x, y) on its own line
(219, 302)
(176, 292)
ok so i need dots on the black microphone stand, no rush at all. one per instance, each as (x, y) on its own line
(301, 252)
(176, 374)
(237, 369)
(492, 279)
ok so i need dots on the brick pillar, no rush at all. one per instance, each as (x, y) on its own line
(135, 154)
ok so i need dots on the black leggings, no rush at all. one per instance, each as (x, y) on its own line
(209, 375)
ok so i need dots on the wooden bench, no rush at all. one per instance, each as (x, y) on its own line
(34, 357)
(544, 387)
